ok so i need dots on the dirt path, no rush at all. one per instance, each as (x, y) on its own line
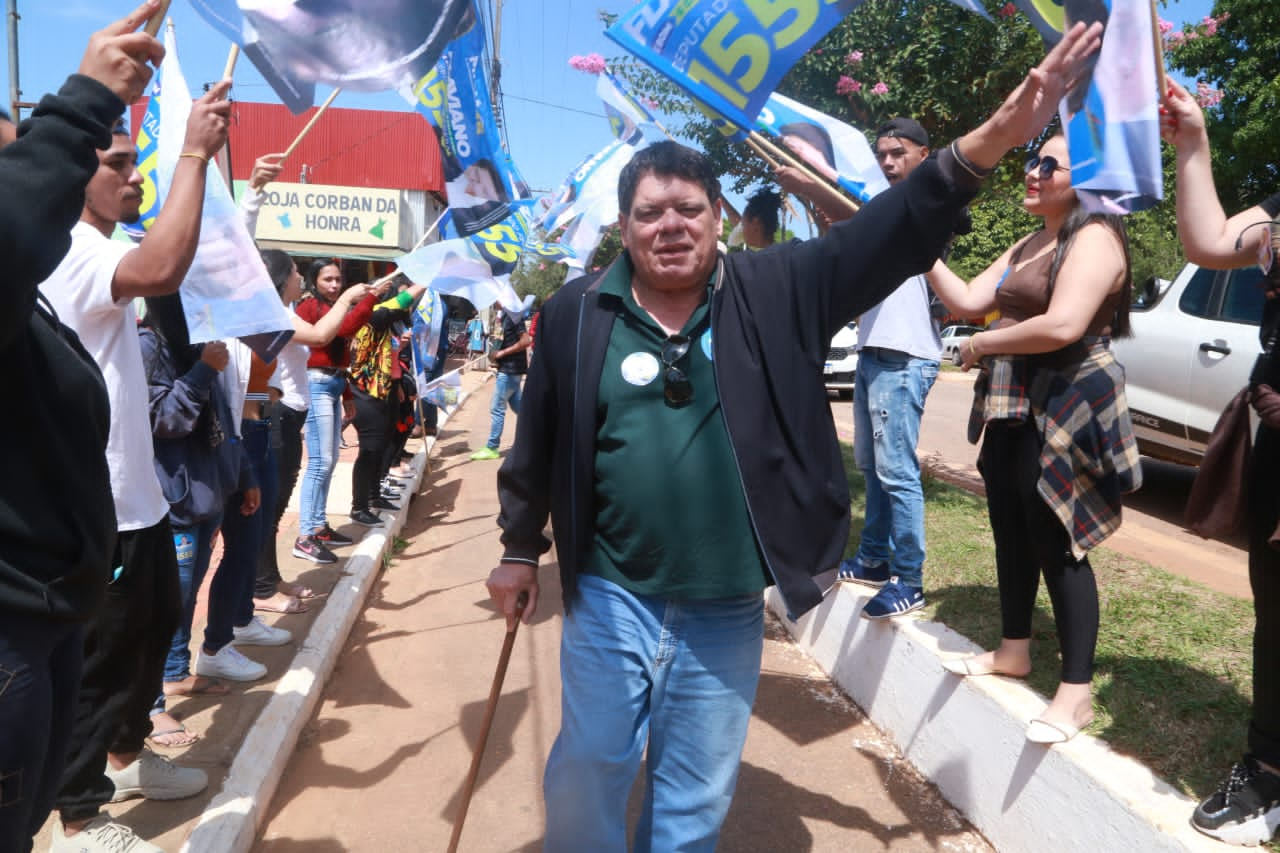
(380, 765)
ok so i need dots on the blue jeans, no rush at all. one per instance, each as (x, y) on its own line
(194, 547)
(680, 675)
(506, 391)
(231, 592)
(888, 401)
(323, 431)
(40, 665)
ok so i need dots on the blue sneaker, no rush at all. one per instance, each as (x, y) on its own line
(894, 599)
(856, 571)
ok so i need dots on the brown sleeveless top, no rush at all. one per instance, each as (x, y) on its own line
(1024, 293)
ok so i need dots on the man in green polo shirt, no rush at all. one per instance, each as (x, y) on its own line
(674, 426)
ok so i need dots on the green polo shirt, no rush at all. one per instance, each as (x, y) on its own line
(671, 518)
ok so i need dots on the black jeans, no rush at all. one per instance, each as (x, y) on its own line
(124, 653)
(1264, 577)
(287, 426)
(40, 664)
(1030, 540)
(375, 424)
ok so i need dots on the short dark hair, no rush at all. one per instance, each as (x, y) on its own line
(667, 159)
(764, 206)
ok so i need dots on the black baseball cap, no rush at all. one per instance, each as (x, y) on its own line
(904, 128)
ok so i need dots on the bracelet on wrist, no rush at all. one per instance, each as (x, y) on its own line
(967, 164)
(195, 155)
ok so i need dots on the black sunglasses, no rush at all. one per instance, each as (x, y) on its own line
(676, 387)
(1046, 165)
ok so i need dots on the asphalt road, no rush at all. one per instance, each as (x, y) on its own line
(1152, 529)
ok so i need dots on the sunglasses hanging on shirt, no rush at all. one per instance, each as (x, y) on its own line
(676, 387)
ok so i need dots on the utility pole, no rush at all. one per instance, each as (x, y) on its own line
(495, 71)
(15, 93)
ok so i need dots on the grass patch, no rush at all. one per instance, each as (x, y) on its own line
(1174, 659)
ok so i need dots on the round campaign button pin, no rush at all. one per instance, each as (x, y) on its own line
(706, 345)
(640, 368)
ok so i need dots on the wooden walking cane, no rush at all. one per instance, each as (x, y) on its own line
(495, 691)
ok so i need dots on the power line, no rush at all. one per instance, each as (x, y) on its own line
(555, 106)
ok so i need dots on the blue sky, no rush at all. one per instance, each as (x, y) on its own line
(553, 118)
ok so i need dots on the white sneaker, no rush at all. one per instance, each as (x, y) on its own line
(259, 633)
(101, 835)
(156, 778)
(228, 663)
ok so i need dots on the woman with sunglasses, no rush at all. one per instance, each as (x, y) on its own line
(1246, 808)
(1059, 448)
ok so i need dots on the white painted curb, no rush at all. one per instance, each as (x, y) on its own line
(967, 735)
(230, 822)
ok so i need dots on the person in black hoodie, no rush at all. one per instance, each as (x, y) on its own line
(57, 520)
(683, 474)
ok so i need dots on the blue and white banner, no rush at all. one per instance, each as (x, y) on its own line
(836, 151)
(428, 328)
(369, 46)
(227, 292)
(481, 182)
(1112, 118)
(630, 121)
(148, 142)
(729, 54)
(594, 183)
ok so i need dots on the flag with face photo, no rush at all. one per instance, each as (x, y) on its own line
(1048, 16)
(458, 267)
(370, 46)
(428, 328)
(728, 54)
(831, 148)
(1112, 118)
(481, 181)
(227, 292)
(593, 184)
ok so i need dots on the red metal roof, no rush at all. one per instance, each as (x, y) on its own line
(351, 148)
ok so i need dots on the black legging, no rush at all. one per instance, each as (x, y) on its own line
(1264, 578)
(1030, 540)
(288, 461)
(375, 424)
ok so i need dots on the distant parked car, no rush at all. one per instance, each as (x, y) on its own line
(1193, 346)
(842, 362)
(952, 338)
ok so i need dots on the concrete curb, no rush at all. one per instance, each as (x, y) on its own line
(230, 822)
(967, 736)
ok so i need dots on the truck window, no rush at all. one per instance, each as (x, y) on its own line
(1195, 299)
(1242, 302)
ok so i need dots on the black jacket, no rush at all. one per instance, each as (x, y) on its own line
(57, 519)
(773, 315)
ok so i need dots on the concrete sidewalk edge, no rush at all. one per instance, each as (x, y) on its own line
(967, 735)
(231, 821)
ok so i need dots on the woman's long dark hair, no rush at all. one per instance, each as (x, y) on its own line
(1077, 219)
(313, 273)
(279, 266)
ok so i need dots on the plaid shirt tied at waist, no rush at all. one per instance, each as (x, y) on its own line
(1089, 456)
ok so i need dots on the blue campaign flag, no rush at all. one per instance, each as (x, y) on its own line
(1112, 118)
(729, 54)
(148, 143)
(428, 329)
(370, 46)
(630, 121)
(838, 152)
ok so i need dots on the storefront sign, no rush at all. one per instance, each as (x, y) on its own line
(318, 213)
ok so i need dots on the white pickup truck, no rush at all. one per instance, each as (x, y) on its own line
(1193, 346)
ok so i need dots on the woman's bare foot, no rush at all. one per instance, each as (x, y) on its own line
(279, 603)
(296, 590)
(167, 731)
(1072, 705)
(196, 685)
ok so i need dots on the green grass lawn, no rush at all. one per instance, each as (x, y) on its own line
(1172, 684)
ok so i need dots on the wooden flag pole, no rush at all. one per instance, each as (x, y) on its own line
(416, 246)
(153, 25)
(786, 157)
(762, 154)
(1162, 85)
(231, 62)
(307, 128)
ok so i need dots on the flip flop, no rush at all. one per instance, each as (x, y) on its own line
(181, 736)
(972, 666)
(291, 605)
(1042, 731)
